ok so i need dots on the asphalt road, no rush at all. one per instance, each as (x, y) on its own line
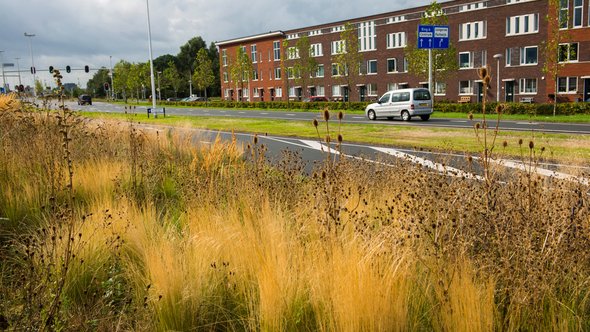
(545, 127)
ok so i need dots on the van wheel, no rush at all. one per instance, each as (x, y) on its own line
(406, 116)
(371, 115)
(425, 117)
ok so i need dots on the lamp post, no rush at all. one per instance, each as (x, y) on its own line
(498, 57)
(112, 83)
(18, 70)
(190, 87)
(159, 90)
(31, 35)
(3, 77)
(151, 57)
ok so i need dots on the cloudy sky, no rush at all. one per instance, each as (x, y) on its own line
(89, 32)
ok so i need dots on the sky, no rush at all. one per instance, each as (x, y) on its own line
(98, 32)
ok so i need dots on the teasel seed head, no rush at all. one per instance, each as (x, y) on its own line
(340, 115)
(326, 115)
(315, 123)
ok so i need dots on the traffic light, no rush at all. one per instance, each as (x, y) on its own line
(33, 71)
(50, 69)
(68, 69)
(106, 86)
(86, 69)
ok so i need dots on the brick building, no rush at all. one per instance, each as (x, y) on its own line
(508, 36)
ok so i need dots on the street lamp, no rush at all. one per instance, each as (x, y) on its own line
(112, 83)
(18, 70)
(190, 87)
(498, 57)
(31, 35)
(3, 78)
(159, 91)
(151, 57)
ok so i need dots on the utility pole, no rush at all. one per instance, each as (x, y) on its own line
(18, 70)
(112, 82)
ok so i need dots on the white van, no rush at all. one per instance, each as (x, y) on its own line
(404, 103)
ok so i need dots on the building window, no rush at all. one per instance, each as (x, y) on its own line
(440, 88)
(226, 93)
(484, 58)
(578, 9)
(473, 30)
(225, 77)
(564, 14)
(255, 75)
(508, 57)
(465, 88)
(522, 25)
(256, 92)
(465, 60)
(338, 28)
(336, 91)
(473, 6)
(338, 47)
(568, 52)
(366, 33)
(372, 67)
(396, 19)
(290, 73)
(320, 91)
(406, 65)
(253, 52)
(529, 55)
(391, 65)
(293, 36)
(224, 57)
(528, 85)
(276, 45)
(567, 85)
(372, 89)
(396, 40)
(337, 69)
(391, 86)
(316, 50)
(319, 71)
(315, 32)
(292, 53)
(279, 92)
(292, 91)
(509, 2)
(277, 73)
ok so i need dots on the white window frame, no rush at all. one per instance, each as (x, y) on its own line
(508, 57)
(522, 24)
(523, 51)
(336, 91)
(224, 57)
(369, 62)
(338, 47)
(396, 40)
(394, 65)
(569, 88)
(254, 75)
(367, 36)
(277, 73)
(256, 92)
(372, 89)
(522, 86)
(473, 30)
(276, 47)
(253, 53)
(512, 2)
(406, 65)
(569, 51)
(317, 71)
(578, 10)
(470, 62)
(316, 50)
(564, 12)
(320, 91)
(279, 92)
(340, 71)
(473, 6)
(391, 86)
(468, 91)
(225, 77)
(292, 92)
(484, 58)
(440, 88)
(292, 53)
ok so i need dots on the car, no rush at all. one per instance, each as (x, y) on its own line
(84, 99)
(403, 103)
(315, 99)
(193, 98)
(172, 99)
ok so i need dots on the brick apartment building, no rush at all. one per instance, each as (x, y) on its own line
(508, 36)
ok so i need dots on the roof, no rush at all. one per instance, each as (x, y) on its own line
(248, 38)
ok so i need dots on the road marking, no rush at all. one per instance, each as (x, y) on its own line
(290, 114)
(459, 121)
(527, 123)
(222, 111)
(358, 117)
(242, 112)
(542, 171)
(263, 113)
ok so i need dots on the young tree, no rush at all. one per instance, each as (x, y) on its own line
(305, 65)
(285, 70)
(556, 54)
(121, 76)
(172, 77)
(96, 83)
(240, 68)
(349, 58)
(444, 61)
(203, 75)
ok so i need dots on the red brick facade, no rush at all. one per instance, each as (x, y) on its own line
(508, 33)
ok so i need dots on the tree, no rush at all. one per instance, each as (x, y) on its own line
(444, 61)
(305, 65)
(240, 68)
(96, 83)
(214, 56)
(186, 56)
(556, 54)
(349, 59)
(203, 75)
(172, 78)
(120, 78)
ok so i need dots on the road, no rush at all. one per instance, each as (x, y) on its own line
(311, 151)
(545, 127)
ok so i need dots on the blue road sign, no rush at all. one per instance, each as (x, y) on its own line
(433, 36)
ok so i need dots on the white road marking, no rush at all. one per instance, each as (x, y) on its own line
(527, 123)
(358, 117)
(542, 171)
(289, 114)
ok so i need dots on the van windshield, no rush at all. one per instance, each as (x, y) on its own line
(421, 95)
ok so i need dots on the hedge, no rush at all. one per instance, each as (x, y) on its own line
(442, 107)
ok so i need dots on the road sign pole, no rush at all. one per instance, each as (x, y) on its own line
(430, 71)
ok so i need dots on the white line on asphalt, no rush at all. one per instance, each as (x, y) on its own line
(263, 113)
(527, 123)
(358, 117)
(290, 114)
(542, 171)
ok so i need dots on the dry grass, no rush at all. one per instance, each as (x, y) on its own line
(159, 233)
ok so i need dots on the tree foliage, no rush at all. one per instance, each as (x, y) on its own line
(95, 85)
(240, 68)
(349, 59)
(203, 75)
(305, 65)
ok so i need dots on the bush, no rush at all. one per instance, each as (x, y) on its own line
(515, 108)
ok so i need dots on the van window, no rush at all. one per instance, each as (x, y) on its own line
(404, 96)
(395, 97)
(385, 98)
(421, 95)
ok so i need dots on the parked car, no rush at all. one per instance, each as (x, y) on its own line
(172, 99)
(314, 99)
(84, 99)
(404, 103)
(193, 98)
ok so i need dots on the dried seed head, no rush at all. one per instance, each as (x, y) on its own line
(500, 108)
(531, 145)
(328, 139)
(487, 80)
(315, 123)
(505, 144)
(542, 149)
(339, 138)
(340, 115)
(483, 72)
(470, 116)
(326, 115)
(477, 125)
(520, 141)
(255, 139)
